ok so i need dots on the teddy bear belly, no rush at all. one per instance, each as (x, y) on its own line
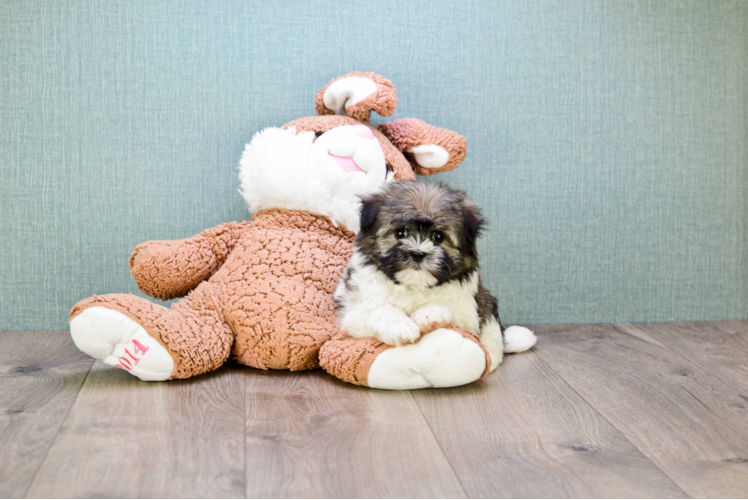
(277, 297)
(281, 325)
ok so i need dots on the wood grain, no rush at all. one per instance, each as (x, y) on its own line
(739, 327)
(309, 435)
(40, 375)
(127, 438)
(722, 353)
(523, 433)
(679, 415)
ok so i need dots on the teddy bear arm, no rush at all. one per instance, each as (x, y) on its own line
(172, 268)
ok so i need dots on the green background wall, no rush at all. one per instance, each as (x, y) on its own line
(607, 139)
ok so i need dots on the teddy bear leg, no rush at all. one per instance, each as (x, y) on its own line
(151, 341)
(443, 357)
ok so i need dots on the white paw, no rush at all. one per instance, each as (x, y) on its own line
(397, 331)
(442, 358)
(119, 341)
(431, 316)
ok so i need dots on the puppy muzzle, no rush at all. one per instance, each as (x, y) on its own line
(417, 256)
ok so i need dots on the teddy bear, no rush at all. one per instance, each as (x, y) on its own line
(260, 292)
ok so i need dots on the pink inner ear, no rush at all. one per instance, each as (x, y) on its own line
(346, 164)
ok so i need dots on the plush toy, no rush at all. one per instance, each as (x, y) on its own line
(261, 292)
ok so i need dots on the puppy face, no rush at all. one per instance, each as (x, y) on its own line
(419, 234)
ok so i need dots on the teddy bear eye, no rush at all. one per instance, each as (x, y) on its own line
(437, 236)
(401, 233)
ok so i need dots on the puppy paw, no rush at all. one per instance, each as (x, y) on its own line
(398, 331)
(431, 316)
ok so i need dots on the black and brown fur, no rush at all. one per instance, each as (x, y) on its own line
(422, 209)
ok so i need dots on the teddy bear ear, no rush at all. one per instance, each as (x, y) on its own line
(429, 149)
(356, 95)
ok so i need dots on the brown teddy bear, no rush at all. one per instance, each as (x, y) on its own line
(261, 292)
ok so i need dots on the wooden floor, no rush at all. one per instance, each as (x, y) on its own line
(655, 410)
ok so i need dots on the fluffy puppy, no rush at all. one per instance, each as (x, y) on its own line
(415, 267)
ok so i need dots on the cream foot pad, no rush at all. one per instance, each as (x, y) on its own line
(442, 358)
(119, 341)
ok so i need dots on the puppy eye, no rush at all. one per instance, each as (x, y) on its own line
(401, 233)
(437, 236)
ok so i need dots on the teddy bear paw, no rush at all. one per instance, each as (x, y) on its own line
(442, 358)
(119, 341)
(431, 316)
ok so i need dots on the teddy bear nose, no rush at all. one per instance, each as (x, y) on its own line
(363, 132)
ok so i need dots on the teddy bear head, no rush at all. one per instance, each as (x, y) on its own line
(409, 145)
(325, 163)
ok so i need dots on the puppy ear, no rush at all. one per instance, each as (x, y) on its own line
(369, 213)
(472, 221)
(429, 149)
(357, 94)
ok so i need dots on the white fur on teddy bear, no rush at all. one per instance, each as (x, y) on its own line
(283, 169)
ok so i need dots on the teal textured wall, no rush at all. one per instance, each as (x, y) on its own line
(607, 139)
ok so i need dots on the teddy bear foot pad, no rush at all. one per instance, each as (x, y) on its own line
(443, 358)
(119, 341)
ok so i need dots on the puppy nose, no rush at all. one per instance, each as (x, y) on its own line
(418, 255)
(363, 132)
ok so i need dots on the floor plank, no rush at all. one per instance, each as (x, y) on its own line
(679, 415)
(740, 327)
(127, 438)
(309, 435)
(40, 375)
(721, 353)
(523, 433)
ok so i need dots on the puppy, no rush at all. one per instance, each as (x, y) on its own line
(415, 268)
